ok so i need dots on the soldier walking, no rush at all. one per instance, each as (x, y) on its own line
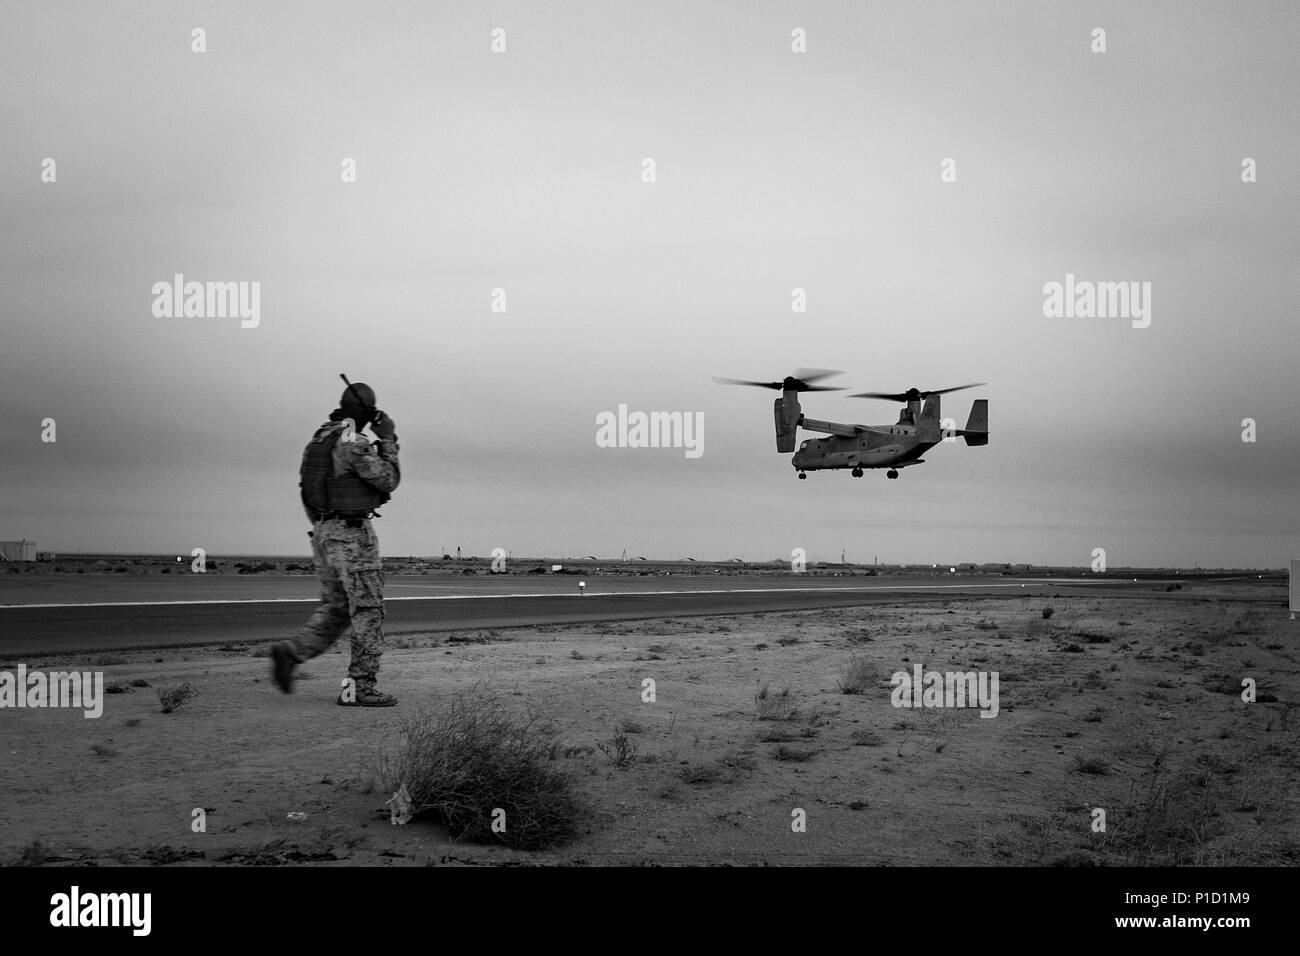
(344, 478)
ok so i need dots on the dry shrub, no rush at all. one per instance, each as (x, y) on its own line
(472, 755)
(1093, 765)
(866, 738)
(620, 750)
(1171, 816)
(699, 773)
(775, 705)
(1249, 621)
(857, 677)
(174, 697)
(1036, 628)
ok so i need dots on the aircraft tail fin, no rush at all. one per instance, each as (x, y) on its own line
(976, 431)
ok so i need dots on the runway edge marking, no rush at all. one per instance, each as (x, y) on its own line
(590, 594)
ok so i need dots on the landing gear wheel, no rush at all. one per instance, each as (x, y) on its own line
(856, 472)
(802, 476)
(891, 473)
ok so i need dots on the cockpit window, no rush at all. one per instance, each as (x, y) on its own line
(803, 445)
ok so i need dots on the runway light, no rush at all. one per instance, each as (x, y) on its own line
(582, 585)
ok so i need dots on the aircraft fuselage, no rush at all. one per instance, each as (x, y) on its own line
(884, 446)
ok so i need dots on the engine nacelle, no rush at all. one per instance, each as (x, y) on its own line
(787, 413)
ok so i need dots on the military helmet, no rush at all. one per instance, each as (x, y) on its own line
(363, 391)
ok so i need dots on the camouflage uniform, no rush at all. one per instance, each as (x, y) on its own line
(350, 568)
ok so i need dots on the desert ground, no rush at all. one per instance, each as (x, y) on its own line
(1128, 704)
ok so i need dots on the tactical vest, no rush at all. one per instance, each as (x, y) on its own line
(322, 492)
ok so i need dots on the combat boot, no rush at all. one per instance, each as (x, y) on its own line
(283, 661)
(367, 697)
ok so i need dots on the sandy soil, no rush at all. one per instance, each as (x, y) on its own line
(1132, 705)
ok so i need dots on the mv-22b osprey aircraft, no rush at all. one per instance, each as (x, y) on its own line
(856, 447)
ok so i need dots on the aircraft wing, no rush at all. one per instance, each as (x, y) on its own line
(830, 428)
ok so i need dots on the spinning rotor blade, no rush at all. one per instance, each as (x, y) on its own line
(799, 382)
(738, 381)
(810, 375)
(914, 394)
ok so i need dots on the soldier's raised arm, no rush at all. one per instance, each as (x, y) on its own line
(381, 467)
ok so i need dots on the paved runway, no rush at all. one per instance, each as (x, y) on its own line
(56, 613)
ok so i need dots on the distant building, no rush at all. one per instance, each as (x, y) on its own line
(23, 550)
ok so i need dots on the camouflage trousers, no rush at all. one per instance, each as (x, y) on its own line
(352, 594)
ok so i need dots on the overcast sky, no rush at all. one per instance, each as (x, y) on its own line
(522, 170)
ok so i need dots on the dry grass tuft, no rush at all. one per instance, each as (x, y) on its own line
(174, 697)
(775, 705)
(472, 756)
(857, 677)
